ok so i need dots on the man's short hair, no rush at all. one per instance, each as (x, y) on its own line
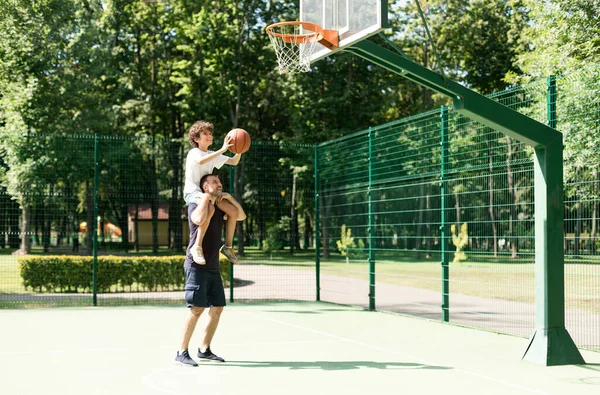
(197, 129)
(205, 179)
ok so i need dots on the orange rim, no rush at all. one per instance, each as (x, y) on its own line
(296, 38)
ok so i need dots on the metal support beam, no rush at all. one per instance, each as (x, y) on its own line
(467, 102)
(551, 344)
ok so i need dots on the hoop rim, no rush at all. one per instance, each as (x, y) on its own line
(294, 38)
(328, 38)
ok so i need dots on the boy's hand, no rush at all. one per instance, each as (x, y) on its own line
(227, 143)
(223, 196)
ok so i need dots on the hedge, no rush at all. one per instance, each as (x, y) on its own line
(70, 273)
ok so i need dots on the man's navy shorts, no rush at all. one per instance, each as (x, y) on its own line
(204, 288)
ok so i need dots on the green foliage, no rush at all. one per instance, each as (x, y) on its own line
(460, 241)
(562, 37)
(346, 242)
(276, 235)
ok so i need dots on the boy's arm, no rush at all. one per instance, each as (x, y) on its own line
(231, 199)
(234, 160)
(207, 158)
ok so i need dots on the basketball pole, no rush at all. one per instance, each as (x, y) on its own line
(550, 344)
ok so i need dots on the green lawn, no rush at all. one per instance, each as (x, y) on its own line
(482, 276)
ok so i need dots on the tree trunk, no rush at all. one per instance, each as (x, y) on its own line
(491, 198)
(175, 206)
(13, 224)
(238, 175)
(576, 251)
(419, 238)
(307, 231)
(26, 229)
(136, 228)
(326, 209)
(4, 215)
(91, 221)
(514, 243)
(293, 217)
(428, 240)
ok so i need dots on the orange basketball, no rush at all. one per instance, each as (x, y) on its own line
(240, 141)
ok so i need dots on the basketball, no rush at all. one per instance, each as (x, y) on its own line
(240, 141)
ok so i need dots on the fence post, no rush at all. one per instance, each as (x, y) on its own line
(371, 229)
(443, 225)
(316, 236)
(232, 191)
(95, 224)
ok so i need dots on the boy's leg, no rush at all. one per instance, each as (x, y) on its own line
(230, 223)
(201, 216)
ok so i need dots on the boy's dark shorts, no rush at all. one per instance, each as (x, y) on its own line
(204, 288)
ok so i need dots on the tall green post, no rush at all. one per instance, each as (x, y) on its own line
(232, 191)
(551, 343)
(95, 222)
(371, 227)
(443, 225)
(317, 225)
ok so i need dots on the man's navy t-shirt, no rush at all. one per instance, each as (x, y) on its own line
(211, 243)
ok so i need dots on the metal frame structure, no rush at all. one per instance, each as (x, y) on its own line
(550, 344)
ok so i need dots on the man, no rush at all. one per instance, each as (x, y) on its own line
(203, 286)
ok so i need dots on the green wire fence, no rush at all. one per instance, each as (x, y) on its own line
(430, 215)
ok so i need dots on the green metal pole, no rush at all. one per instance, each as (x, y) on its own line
(371, 228)
(317, 224)
(232, 191)
(95, 223)
(443, 225)
(550, 343)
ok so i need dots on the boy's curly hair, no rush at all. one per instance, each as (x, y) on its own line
(197, 129)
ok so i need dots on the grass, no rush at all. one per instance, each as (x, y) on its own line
(482, 275)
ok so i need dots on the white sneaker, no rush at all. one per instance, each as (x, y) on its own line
(197, 255)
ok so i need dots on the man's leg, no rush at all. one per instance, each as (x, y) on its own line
(232, 214)
(204, 352)
(190, 325)
(214, 314)
(183, 355)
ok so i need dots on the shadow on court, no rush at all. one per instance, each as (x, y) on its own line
(332, 365)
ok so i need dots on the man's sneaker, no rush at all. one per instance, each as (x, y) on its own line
(228, 252)
(208, 355)
(185, 359)
(197, 255)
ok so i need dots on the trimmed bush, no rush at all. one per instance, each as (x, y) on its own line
(69, 273)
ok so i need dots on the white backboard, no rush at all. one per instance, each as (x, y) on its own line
(354, 20)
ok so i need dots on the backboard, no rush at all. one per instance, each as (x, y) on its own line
(355, 20)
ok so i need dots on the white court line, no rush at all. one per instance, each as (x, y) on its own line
(420, 360)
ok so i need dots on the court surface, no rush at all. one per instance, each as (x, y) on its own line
(271, 348)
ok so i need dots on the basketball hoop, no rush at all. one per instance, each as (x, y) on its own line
(295, 42)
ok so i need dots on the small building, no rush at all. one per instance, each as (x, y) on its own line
(144, 218)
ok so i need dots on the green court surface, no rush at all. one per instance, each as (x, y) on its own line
(275, 348)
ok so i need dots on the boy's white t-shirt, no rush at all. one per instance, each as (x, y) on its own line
(194, 172)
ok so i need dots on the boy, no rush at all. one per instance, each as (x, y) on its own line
(200, 162)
